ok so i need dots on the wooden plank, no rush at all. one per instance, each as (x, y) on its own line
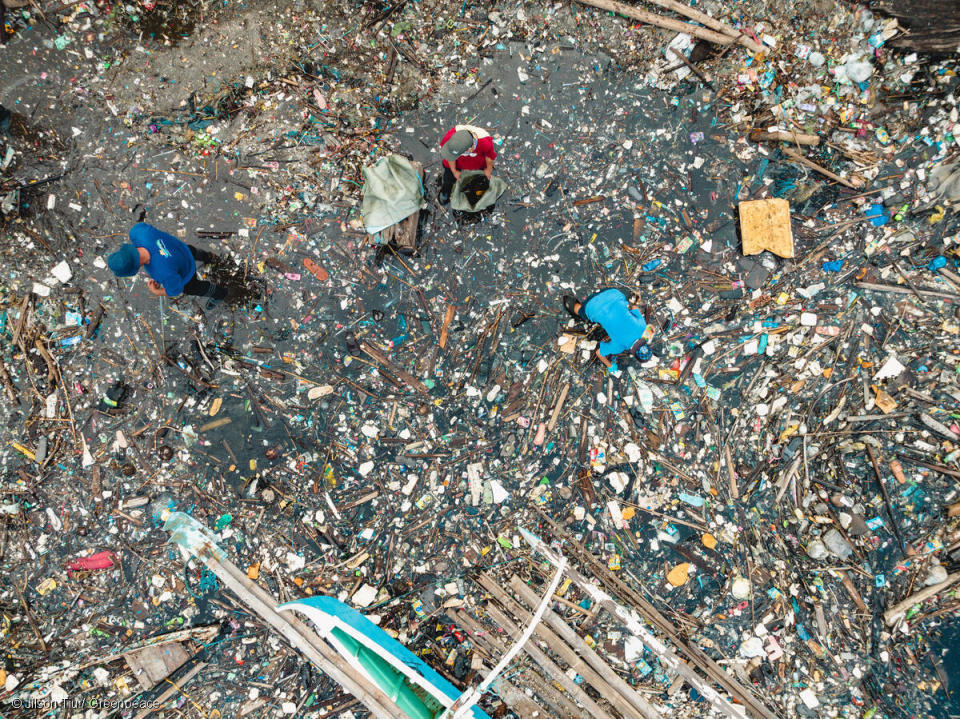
(731, 472)
(567, 634)
(765, 225)
(154, 664)
(560, 647)
(402, 374)
(447, 319)
(201, 634)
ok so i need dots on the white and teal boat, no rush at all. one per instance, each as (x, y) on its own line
(410, 682)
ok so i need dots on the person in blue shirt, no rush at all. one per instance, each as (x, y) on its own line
(170, 264)
(626, 326)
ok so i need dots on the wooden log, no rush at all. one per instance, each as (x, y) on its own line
(798, 138)
(796, 156)
(953, 510)
(668, 23)
(568, 645)
(897, 610)
(402, 374)
(549, 666)
(721, 33)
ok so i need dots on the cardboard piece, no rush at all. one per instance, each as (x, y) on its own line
(152, 665)
(765, 225)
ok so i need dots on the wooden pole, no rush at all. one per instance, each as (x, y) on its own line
(667, 23)
(897, 610)
(559, 704)
(463, 706)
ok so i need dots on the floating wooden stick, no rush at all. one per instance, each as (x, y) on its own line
(557, 407)
(402, 374)
(447, 319)
(693, 68)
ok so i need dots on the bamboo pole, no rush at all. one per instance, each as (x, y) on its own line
(468, 699)
(667, 656)
(726, 36)
(559, 704)
(548, 665)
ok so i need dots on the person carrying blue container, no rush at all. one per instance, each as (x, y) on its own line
(170, 264)
(625, 325)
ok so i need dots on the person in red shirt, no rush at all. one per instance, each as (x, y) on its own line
(464, 147)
